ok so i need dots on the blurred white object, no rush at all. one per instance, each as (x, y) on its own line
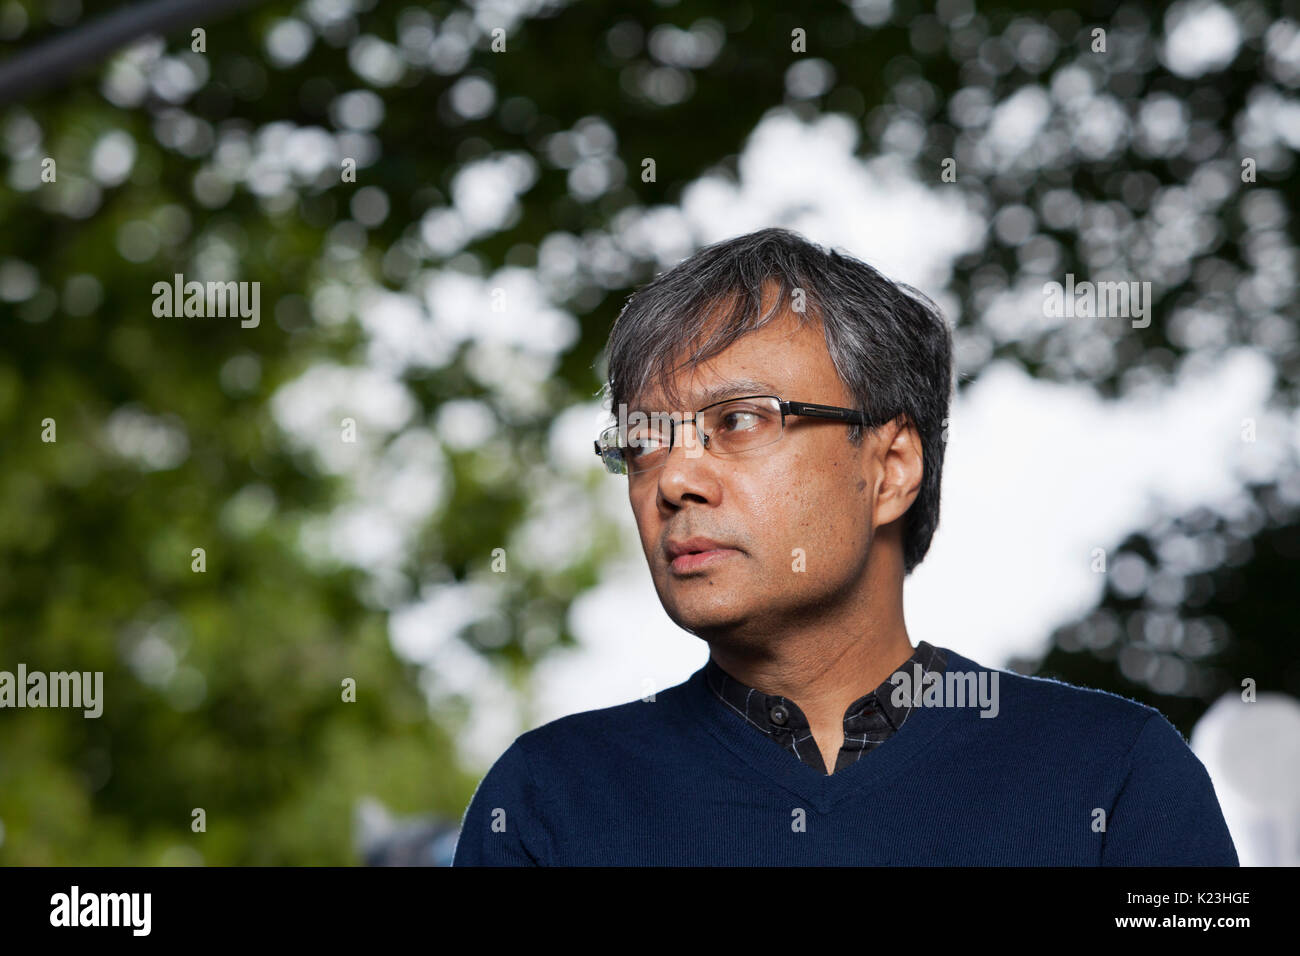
(1252, 753)
(383, 839)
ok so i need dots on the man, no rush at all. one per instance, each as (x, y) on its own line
(781, 414)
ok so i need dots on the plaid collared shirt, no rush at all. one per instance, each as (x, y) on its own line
(868, 722)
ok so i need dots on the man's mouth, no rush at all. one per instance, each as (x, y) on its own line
(693, 553)
(699, 559)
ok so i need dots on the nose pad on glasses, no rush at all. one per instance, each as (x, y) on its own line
(704, 439)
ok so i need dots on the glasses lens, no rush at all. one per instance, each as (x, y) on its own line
(648, 440)
(643, 448)
(730, 427)
(610, 452)
(742, 424)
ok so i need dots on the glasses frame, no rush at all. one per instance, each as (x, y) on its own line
(852, 416)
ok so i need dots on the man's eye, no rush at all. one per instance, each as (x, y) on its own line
(728, 420)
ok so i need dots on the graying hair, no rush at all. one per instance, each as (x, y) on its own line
(890, 344)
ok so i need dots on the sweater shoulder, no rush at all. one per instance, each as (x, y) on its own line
(1066, 708)
(626, 724)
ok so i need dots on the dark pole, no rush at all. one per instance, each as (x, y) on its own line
(50, 63)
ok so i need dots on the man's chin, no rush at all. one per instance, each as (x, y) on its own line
(704, 619)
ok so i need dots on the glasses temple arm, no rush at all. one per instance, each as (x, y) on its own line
(826, 411)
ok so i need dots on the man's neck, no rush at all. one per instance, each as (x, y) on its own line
(827, 655)
(822, 676)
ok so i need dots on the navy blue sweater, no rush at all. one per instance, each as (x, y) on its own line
(1061, 776)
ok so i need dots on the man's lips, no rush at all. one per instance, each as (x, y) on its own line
(698, 559)
(691, 553)
(680, 546)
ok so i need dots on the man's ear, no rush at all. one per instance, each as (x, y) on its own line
(899, 465)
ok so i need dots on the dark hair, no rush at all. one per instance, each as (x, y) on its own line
(890, 343)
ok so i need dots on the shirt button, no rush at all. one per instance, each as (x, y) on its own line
(779, 715)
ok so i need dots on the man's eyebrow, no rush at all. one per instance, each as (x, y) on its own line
(729, 388)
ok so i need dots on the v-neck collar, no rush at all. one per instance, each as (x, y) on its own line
(867, 721)
(820, 791)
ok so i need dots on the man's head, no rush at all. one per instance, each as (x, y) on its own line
(830, 512)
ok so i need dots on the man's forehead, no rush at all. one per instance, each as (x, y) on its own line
(706, 393)
(771, 360)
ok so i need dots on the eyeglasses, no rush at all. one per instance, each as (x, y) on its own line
(725, 428)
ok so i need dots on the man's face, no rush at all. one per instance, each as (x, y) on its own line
(798, 513)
